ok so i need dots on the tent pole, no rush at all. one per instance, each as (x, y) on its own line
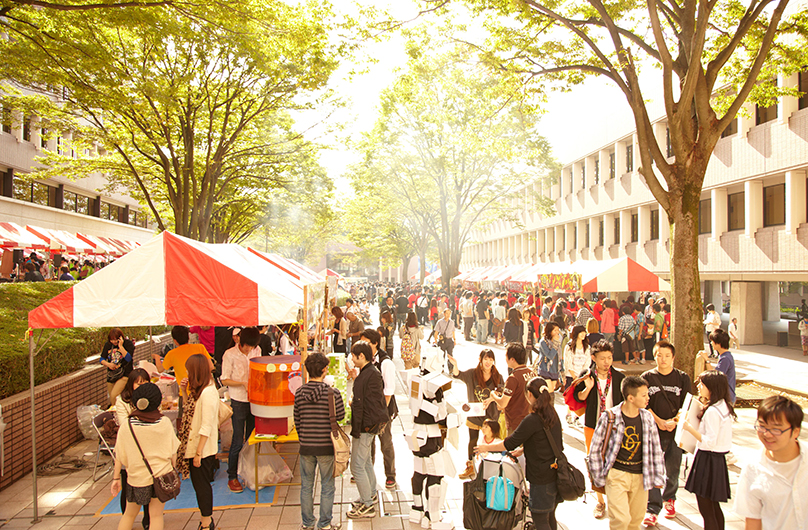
(33, 423)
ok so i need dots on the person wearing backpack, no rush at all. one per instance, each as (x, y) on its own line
(313, 425)
(411, 335)
(534, 434)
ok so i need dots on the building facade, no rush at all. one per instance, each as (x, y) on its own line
(752, 215)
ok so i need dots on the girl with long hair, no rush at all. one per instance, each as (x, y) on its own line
(199, 434)
(339, 330)
(415, 334)
(123, 408)
(540, 459)
(549, 354)
(709, 478)
(514, 327)
(577, 357)
(480, 382)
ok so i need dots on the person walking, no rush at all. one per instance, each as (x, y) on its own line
(411, 335)
(550, 354)
(514, 327)
(313, 425)
(734, 343)
(146, 436)
(483, 313)
(577, 358)
(712, 322)
(512, 399)
(369, 417)
(500, 314)
(803, 327)
(445, 330)
(339, 331)
(709, 477)
(199, 434)
(607, 319)
(480, 382)
(466, 308)
(384, 364)
(532, 434)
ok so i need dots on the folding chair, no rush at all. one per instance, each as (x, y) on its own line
(106, 443)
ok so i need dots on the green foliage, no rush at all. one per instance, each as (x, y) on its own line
(65, 352)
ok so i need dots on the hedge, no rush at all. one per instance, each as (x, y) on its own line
(65, 352)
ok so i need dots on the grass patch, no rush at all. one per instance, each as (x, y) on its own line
(64, 353)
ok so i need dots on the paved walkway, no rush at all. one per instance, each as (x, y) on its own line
(70, 501)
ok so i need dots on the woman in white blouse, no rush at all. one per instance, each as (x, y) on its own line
(576, 359)
(199, 434)
(709, 478)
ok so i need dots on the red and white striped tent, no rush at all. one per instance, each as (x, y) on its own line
(618, 275)
(172, 280)
(100, 245)
(59, 240)
(13, 235)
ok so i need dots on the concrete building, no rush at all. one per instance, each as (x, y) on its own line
(752, 216)
(74, 205)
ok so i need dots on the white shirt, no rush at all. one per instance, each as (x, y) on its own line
(712, 322)
(576, 360)
(716, 429)
(467, 308)
(236, 366)
(389, 377)
(733, 330)
(775, 492)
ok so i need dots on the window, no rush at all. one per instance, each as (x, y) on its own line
(600, 233)
(26, 128)
(563, 244)
(668, 146)
(611, 165)
(43, 194)
(583, 175)
(70, 201)
(597, 176)
(635, 227)
(572, 181)
(586, 243)
(629, 158)
(705, 216)
(22, 190)
(6, 120)
(616, 229)
(764, 114)
(774, 205)
(802, 84)
(575, 236)
(91, 206)
(731, 129)
(654, 224)
(736, 211)
(43, 141)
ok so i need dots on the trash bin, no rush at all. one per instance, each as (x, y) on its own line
(782, 339)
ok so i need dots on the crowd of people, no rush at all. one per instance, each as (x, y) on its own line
(552, 345)
(37, 269)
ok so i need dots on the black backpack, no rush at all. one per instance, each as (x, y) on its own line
(570, 482)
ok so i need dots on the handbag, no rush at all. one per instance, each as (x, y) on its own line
(476, 515)
(167, 486)
(570, 481)
(609, 426)
(341, 441)
(225, 412)
(569, 395)
(499, 493)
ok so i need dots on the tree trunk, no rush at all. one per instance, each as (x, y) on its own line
(405, 264)
(422, 258)
(686, 331)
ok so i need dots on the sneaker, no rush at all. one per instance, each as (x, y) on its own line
(390, 483)
(306, 527)
(642, 361)
(600, 510)
(570, 419)
(670, 509)
(358, 502)
(362, 512)
(332, 526)
(650, 520)
(235, 486)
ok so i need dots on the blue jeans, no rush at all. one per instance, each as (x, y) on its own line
(362, 467)
(308, 469)
(482, 330)
(243, 426)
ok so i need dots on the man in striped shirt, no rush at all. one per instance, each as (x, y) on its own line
(313, 424)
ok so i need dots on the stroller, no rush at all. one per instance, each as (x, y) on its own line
(476, 516)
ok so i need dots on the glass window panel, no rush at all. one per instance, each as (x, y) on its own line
(705, 216)
(774, 205)
(736, 211)
(654, 224)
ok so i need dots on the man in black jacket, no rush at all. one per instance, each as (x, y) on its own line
(369, 418)
(383, 363)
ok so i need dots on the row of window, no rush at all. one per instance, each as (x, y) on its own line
(57, 197)
(774, 209)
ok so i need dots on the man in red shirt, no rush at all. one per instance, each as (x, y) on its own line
(598, 309)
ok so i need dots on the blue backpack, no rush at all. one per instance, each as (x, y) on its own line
(499, 493)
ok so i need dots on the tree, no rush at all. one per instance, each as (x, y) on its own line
(452, 143)
(188, 115)
(712, 56)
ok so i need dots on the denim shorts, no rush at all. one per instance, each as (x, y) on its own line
(543, 497)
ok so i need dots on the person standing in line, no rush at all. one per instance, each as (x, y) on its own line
(597, 309)
(607, 326)
(512, 399)
(546, 310)
(667, 388)
(584, 314)
(550, 352)
(313, 425)
(626, 329)
(236, 376)
(339, 331)
(734, 343)
(355, 328)
(709, 477)
(771, 490)
(199, 434)
(422, 308)
(514, 327)
(384, 364)
(480, 382)
(499, 314)
(445, 330)
(607, 384)
(482, 313)
(633, 459)
(411, 335)
(369, 417)
(402, 308)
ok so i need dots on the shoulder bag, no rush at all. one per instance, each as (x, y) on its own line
(225, 412)
(570, 481)
(167, 486)
(341, 441)
(609, 426)
(569, 394)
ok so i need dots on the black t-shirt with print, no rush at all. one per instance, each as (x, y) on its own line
(482, 306)
(629, 458)
(666, 394)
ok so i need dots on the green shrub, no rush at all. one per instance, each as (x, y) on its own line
(65, 352)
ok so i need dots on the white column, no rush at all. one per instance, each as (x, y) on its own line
(561, 243)
(644, 225)
(746, 120)
(36, 137)
(583, 242)
(531, 247)
(661, 136)
(625, 227)
(540, 245)
(594, 234)
(590, 171)
(549, 247)
(795, 200)
(608, 231)
(787, 105)
(753, 206)
(719, 206)
(570, 246)
(576, 176)
(619, 159)
(603, 156)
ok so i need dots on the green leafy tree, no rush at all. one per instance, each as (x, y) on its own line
(712, 56)
(451, 143)
(192, 117)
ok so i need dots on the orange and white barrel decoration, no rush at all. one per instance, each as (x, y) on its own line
(273, 383)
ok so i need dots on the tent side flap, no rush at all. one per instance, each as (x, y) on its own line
(55, 313)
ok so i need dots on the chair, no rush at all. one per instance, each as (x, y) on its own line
(106, 442)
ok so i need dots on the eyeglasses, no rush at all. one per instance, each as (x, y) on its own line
(774, 432)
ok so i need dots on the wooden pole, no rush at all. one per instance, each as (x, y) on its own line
(33, 423)
(303, 336)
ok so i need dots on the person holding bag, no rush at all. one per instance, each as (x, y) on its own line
(537, 433)
(199, 434)
(549, 354)
(146, 446)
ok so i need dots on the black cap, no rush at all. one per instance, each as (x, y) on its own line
(147, 397)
